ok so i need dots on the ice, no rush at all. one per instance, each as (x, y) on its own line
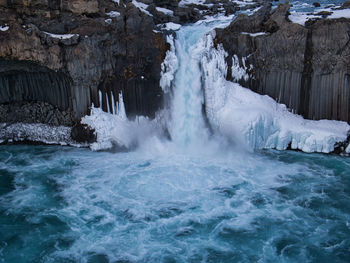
(169, 66)
(255, 120)
(239, 72)
(116, 129)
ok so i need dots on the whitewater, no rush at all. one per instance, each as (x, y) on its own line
(196, 184)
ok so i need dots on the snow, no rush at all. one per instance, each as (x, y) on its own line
(4, 28)
(116, 1)
(170, 26)
(64, 36)
(165, 11)
(302, 17)
(142, 7)
(254, 34)
(113, 14)
(258, 121)
(169, 66)
(340, 13)
(203, 2)
(37, 132)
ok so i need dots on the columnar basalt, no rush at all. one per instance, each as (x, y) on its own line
(64, 52)
(304, 67)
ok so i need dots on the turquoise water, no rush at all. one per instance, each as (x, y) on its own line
(61, 204)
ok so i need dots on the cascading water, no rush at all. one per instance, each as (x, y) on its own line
(187, 125)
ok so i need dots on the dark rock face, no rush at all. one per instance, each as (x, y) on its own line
(107, 53)
(82, 134)
(306, 68)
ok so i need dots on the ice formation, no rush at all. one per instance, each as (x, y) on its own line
(113, 127)
(169, 66)
(259, 121)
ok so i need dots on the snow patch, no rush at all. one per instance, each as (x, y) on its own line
(254, 34)
(339, 14)
(165, 11)
(170, 26)
(302, 17)
(4, 28)
(37, 132)
(255, 120)
(142, 7)
(64, 36)
(113, 14)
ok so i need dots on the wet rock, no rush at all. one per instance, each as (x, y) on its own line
(82, 134)
(316, 4)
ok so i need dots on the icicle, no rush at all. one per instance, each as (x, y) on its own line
(100, 98)
(108, 110)
(113, 103)
(121, 107)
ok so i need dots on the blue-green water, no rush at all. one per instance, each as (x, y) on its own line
(61, 204)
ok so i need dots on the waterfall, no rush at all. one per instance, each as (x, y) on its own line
(194, 77)
(187, 124)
